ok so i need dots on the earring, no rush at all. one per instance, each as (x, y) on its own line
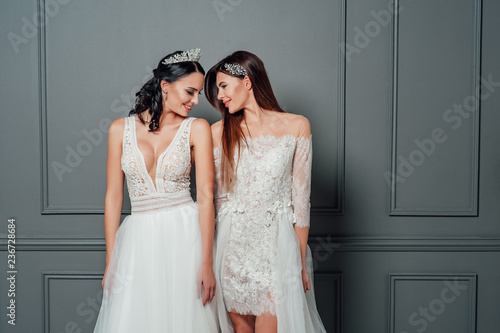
(165, 95)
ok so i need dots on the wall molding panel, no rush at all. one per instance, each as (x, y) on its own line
(48, 277)
(335, 279)
(403, 167)
(449, 288)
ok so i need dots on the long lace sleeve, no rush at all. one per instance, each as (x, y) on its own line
(301, 186)
(220, 195)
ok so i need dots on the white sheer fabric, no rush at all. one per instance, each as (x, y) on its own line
(301, 185)
(258, 263)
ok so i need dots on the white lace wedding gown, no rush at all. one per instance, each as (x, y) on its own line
(152, 278)
(258, 263)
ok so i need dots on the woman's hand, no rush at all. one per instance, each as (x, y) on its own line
(208, 283)
(104, 277)
(305, 280)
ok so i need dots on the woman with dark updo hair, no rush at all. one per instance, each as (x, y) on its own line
(263, 159)
(159, 275)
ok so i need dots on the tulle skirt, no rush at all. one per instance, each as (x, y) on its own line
(296, 311)
(153, 280)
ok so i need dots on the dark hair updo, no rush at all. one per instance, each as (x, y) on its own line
(149, 97)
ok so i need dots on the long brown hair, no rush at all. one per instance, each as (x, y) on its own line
(232, 134)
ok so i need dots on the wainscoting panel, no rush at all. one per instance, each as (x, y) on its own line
(436, 105)
(71, 300)
(434, 303)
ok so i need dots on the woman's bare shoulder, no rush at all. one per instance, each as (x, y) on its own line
(200, 124)
(296, 124)
(217, 133)
(115, 135)
(117, 127)
(200, 132)
(297, 119)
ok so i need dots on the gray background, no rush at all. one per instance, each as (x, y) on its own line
(405, 232)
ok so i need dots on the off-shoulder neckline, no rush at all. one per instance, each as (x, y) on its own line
(269, 136)
(274, 138)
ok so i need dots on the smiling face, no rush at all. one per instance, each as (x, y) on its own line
(183, 94)
(232, 91)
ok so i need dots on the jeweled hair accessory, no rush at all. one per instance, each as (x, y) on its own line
(235, 69)
(189, 55)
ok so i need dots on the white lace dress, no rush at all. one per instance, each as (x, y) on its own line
(258, 265)
(152, 279)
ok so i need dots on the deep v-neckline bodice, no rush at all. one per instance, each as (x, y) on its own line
(159, 160)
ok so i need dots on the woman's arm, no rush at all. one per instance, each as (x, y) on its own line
(114, 189)
(201, 137)
(220, 195)
(301, 192)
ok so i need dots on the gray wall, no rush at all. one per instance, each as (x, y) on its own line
(405, 232)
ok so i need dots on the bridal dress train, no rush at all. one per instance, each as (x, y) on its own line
(258, 263)
(153, 280)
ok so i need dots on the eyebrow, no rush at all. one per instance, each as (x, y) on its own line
(193, 88)
(221, 83)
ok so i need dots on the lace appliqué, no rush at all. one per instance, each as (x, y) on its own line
(301, 185)
(136, 182)
(172, 177)
(220, 195)
(175, 171)
(272, 183)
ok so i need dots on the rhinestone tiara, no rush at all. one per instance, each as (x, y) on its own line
(235, 69)
(189, 55)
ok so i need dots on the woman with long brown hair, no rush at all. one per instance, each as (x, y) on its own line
(263, 159)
